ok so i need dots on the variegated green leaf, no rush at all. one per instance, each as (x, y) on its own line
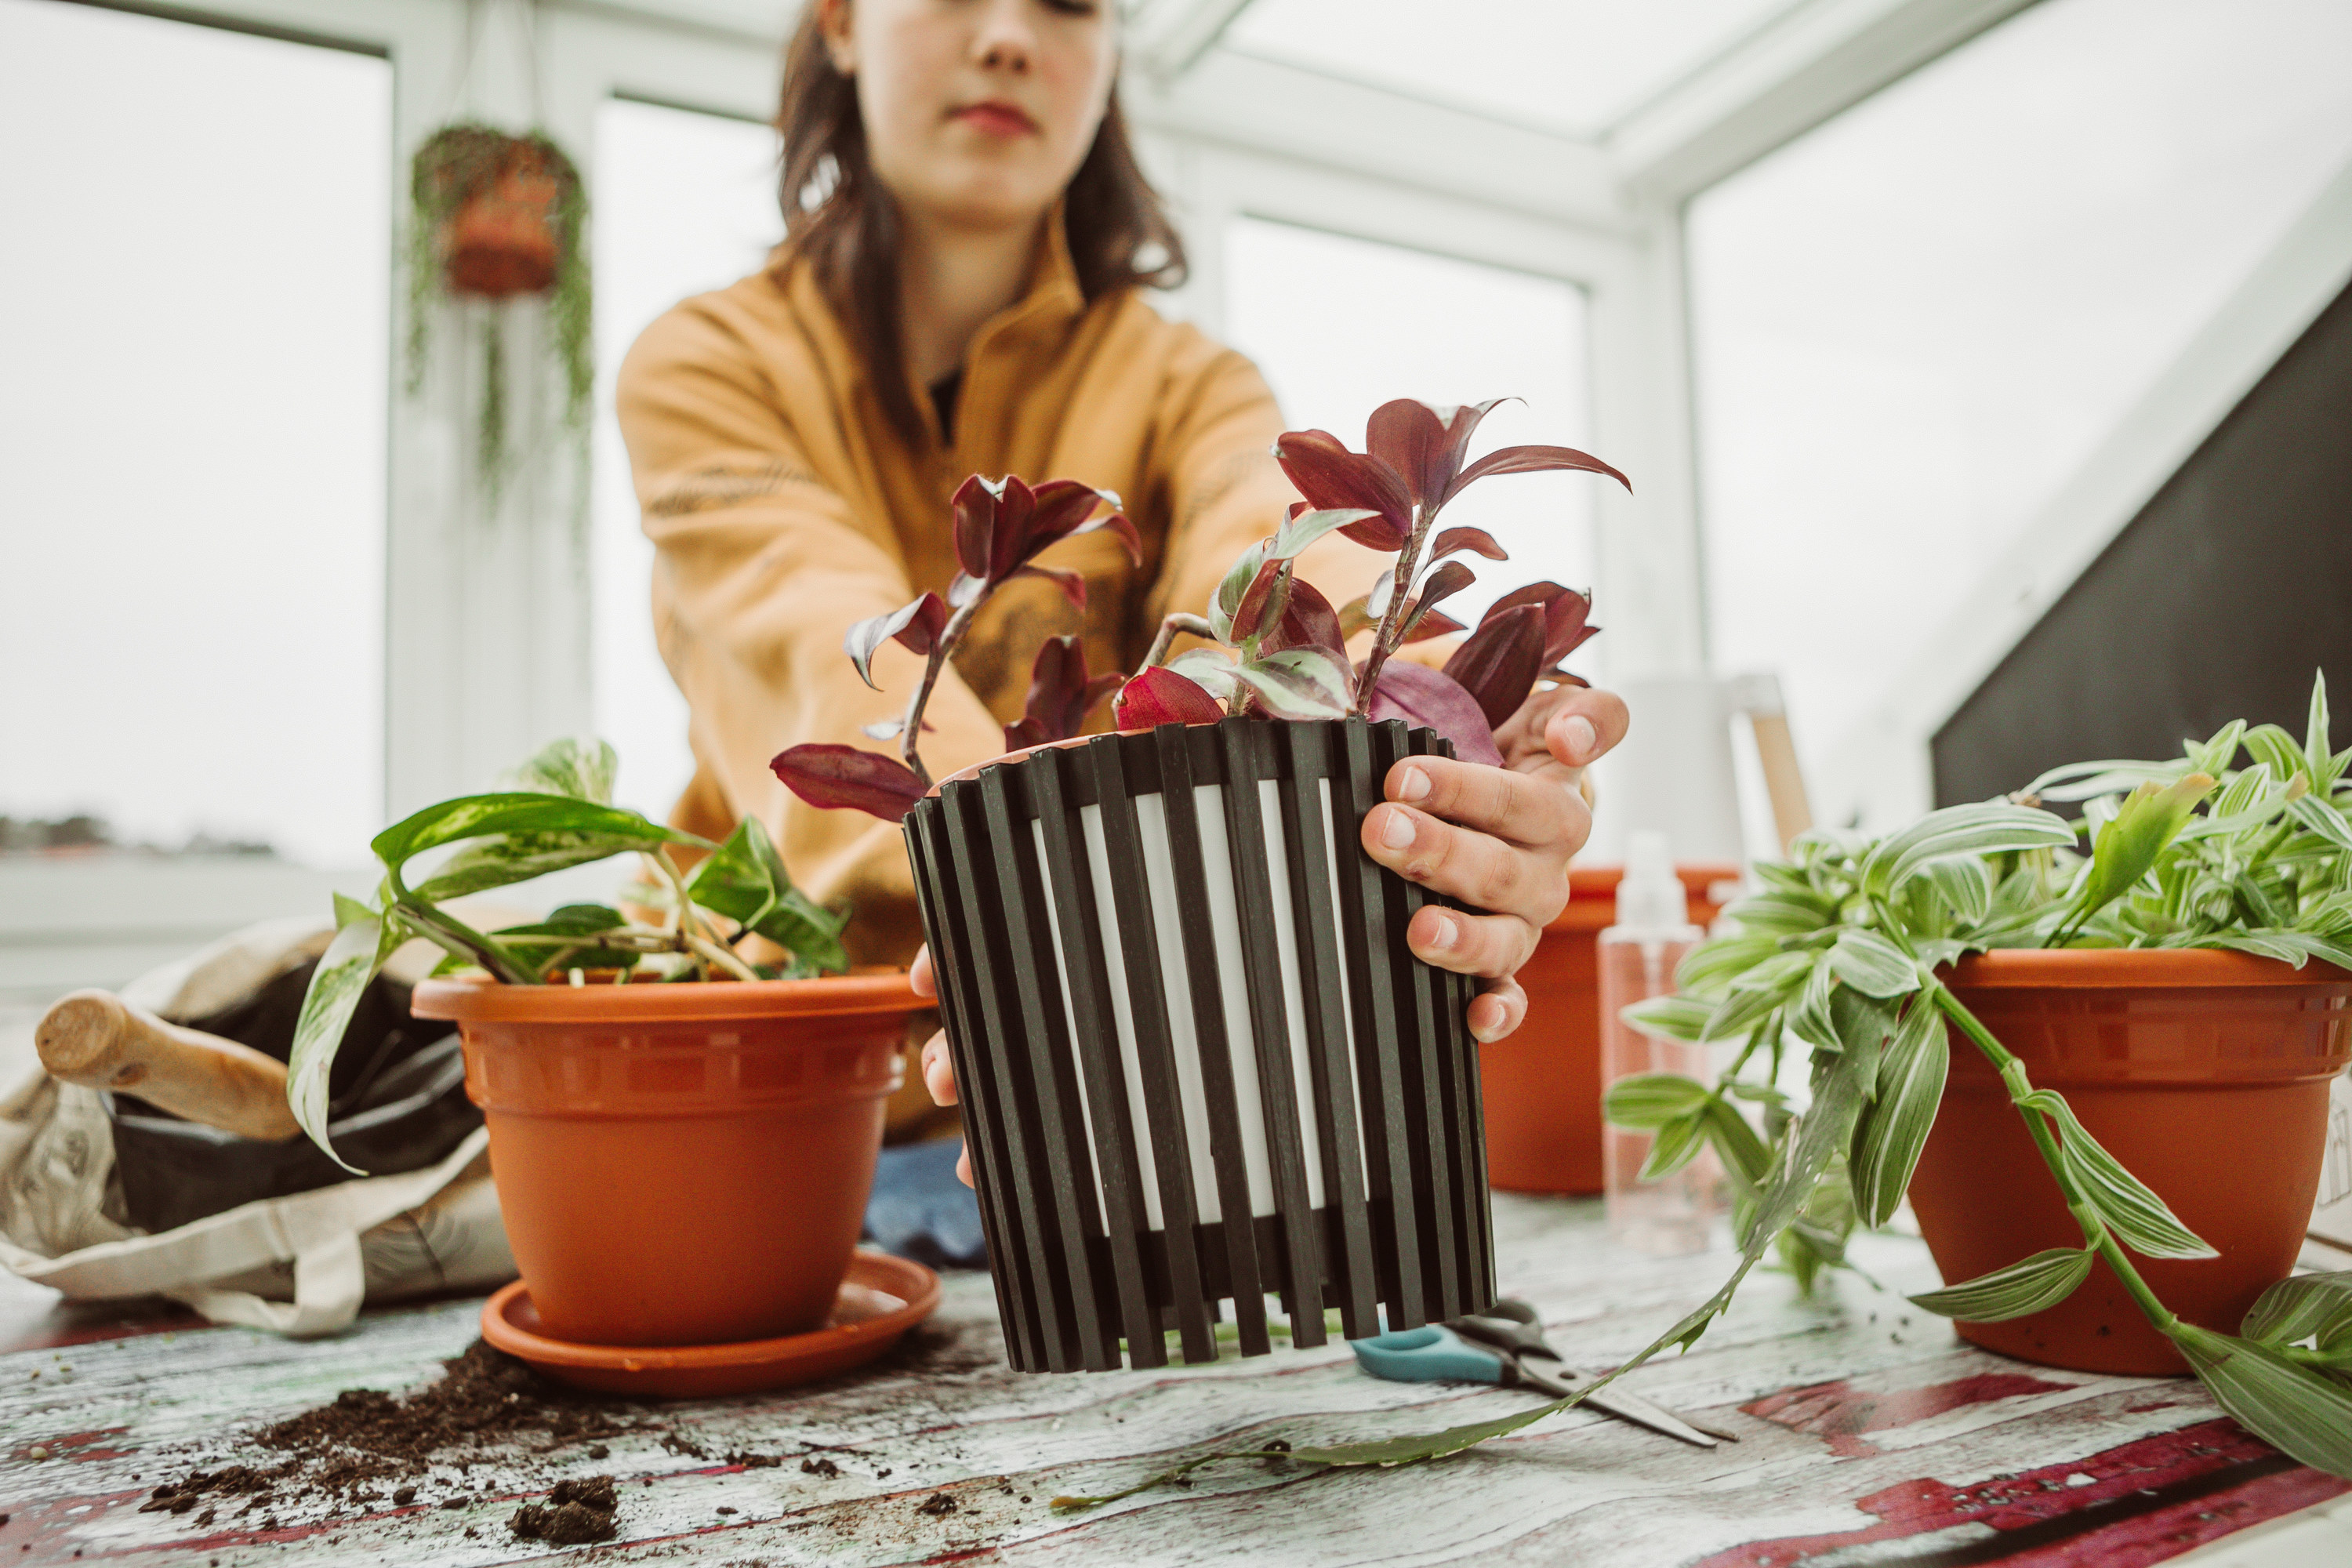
(2303, 1306)
(522, 814)
(1871, 964)
(2140, 1219)
(1646, 1101)
(1300, 683)
(2025, 1288)
(1987, 828)
(363, 939)
(1669, 1017)
(1211, 669)
(582, 767)
(1675, 1144)
(1722, 960)
(2304, 1414)
(1891, 1131)
(1303, 529)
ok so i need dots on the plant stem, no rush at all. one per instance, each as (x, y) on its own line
(1172, 627)
(910, 729)
(2094, 1233)
(713, 952)
(1390, 635)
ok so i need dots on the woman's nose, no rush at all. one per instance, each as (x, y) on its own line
(1004, 40)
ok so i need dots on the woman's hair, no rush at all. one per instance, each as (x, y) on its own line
(837, 213)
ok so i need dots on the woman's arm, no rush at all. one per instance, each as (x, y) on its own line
(762, 567)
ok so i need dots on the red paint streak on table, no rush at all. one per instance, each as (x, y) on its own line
(2221, 1479)
(1843, 1413)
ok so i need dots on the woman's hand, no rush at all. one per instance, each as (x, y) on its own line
(1498, 839)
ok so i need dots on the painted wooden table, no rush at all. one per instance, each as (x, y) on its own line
(1869, 1436)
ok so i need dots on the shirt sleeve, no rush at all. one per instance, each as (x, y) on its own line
(760, 569)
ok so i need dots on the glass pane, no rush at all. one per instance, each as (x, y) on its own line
(1912, 325)
(1579, 66)
(1340, 326)
(686, 203)
(193, 297)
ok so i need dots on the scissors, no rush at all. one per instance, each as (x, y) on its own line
(1495, 1349)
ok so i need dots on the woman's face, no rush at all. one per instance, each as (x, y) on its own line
(977, 111)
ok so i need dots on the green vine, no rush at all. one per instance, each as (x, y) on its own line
(456, 164)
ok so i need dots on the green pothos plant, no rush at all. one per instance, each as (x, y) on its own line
(1839, 958)
(556, 812)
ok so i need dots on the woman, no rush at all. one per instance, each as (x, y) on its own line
(960, 292)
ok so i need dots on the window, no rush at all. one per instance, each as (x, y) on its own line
(1579, 66)
(192, 409)
(1912, 325)
(686, 203)
(1341, 326)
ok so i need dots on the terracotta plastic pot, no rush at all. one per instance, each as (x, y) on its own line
(681, 1165)
(1543, 1083)
(1199, 1064)
(2206, 1072)
(501, 239)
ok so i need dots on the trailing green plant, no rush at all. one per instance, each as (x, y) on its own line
(556, 812)
(1838, 958)
(455, 165)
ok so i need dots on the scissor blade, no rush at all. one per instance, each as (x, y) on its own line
(1625, 1406)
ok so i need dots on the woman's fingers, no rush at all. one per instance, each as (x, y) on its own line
(939, 1070)
(1501, 871)
(1498, 1010)
(1585, 723)
(919, 975)
(1493, 946)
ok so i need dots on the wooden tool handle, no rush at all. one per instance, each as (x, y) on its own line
(97, 1040)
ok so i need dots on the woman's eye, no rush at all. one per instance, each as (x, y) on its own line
(1073, 7)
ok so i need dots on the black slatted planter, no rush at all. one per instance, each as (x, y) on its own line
(1173, 1003)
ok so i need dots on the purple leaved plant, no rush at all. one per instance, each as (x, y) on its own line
(1280, 646)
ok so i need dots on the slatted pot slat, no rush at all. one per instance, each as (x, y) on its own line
(1199, 1065)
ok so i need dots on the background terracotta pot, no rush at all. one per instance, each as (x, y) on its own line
(681, 1165)
(501, 239)
(1542, 1084)
(2206, 1072)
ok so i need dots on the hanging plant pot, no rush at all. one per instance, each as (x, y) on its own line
(1543, 1083)
(500, 239)
(2205, 1072)
(1198, 1062)
(681, 1165)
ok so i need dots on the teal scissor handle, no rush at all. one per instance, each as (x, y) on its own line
(1430, 1354)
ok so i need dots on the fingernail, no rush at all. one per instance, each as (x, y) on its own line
(1397, 831)
(1486, 1019)
(1446, 932)
(1412, 784)
(1581, 736)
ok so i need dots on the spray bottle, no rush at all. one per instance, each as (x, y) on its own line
(1638, 956)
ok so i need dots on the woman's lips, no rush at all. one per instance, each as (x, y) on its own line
(995, 118)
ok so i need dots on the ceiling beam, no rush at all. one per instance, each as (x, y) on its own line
(1168, 37)
(1814, 62)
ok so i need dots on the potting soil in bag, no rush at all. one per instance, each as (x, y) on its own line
(396, 1102)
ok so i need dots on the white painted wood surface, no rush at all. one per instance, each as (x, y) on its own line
(1854, 1396)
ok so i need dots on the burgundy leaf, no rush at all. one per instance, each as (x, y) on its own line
(1063, 507)
(976, 505)
(1060, 694)
(829, 776)
(1308, 621)
(1072, 583)
(1498, 663)
(1476, 538)
(1433, 624)
(1424, 444)
(1159, 696)
(1448, 580)
(1101, 686)
(1023, 733)
(917, 626)
(1532, 460)
(1265, 596)
(1356, 616)
(1564, 610)
(1329, 476)
(1419, 695)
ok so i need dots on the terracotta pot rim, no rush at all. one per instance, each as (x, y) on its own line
(710, 1001)
(2140, 968)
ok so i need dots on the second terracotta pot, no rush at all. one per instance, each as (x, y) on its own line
(1542, 1084)
(2205, 1072)
(681, 1165)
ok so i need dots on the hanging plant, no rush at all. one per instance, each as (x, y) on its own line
(494, 217)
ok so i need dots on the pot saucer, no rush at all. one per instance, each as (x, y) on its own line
(881, 1300)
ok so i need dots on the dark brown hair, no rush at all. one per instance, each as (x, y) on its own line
(838, 215)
